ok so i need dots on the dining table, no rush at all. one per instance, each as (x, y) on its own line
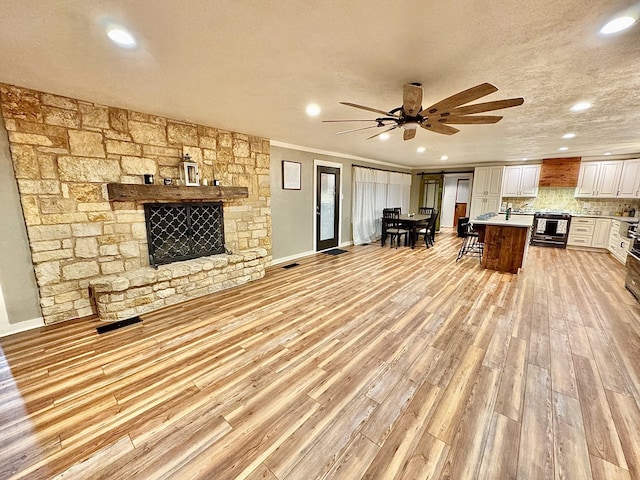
(409, 221)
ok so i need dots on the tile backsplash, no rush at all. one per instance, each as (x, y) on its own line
(562, 199)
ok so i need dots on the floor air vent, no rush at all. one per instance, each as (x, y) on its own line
(291, 265)
(119, 324)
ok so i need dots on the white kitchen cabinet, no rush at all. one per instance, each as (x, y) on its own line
(487, 186)
(599, 179)
(608, 179)
(589, 232)
(487, 181)
(619, 245)
(629, 186)
(601, 232)
(481, 205)
(521, 181)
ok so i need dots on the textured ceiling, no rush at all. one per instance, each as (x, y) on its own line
(252, 66)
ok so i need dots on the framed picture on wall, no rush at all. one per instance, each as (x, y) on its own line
(291, 175)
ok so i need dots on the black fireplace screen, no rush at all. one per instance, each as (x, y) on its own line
(181, 231)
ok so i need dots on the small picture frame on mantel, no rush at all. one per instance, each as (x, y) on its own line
(291, 175)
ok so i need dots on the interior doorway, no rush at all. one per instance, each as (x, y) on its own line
(456, 196)
(431, 193)
(327, 205)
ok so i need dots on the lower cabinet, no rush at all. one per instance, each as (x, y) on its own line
(480, 205)
(619, 245)
(589, 232)
(601, 232)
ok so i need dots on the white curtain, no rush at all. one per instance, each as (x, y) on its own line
(374, 190)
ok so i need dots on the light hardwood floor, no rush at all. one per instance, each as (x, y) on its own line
(379, 363)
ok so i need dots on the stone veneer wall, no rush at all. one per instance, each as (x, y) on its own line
(65, 151)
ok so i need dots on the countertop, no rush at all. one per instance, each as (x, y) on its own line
(518, 221)
(612, 217)
(586, 215)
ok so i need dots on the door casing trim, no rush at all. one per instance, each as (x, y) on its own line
(323, 163)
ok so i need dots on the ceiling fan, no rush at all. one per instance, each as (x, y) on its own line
(438, 117)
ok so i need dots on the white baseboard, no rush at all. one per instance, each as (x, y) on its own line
(278, 261)
(7, 328)
(11, 328)
(297, 256)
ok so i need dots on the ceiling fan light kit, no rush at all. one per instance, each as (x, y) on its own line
(437, 117)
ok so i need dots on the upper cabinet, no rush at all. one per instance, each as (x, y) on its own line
(487, 185)
(521, 181)
(629, 186)
(611, 179)
(487, 181)
(599, 179)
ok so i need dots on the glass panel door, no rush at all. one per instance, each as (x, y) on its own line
(327, 207)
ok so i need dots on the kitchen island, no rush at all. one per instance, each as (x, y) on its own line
(505, 241)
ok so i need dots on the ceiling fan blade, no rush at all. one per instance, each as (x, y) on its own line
(412, 99)
(487, 106)
(388, 130)
(460, 98)
(470, 119)
(361, 120)
(357, 129)
(409, 134)
(375, 110)
(439, 128)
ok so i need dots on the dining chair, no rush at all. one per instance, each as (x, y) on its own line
(425, 210)
(429, 231)
(394, 229)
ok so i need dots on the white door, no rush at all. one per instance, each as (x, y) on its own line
(449, 192)
(455, 190)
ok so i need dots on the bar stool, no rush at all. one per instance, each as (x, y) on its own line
(471, 245)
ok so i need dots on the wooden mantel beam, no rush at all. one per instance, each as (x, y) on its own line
(124, 192)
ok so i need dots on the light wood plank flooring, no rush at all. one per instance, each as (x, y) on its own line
(379, 363)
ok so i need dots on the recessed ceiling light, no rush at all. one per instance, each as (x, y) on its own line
(121, 37)
(607, 153)
(563, 149)
(581, 107)
(569, 135)
(617, 25)
(384, 136)
(444, 157)
(313, 110)
(421, 150)
(524, 159)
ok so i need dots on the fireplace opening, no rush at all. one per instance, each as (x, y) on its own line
(183, 231)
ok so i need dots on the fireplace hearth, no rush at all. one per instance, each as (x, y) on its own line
(183, 231)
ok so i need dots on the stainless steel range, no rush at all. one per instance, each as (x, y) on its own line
(550, 229)
(632, 281)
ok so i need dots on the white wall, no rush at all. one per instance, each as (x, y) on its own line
(449, 192)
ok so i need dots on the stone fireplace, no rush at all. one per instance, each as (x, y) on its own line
(68, 154)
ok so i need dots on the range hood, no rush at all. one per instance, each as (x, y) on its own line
(559, 172)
